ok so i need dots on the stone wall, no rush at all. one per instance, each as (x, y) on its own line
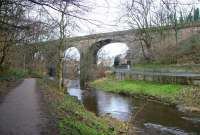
(185, 78)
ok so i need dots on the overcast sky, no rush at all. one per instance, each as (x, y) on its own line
(108, 12)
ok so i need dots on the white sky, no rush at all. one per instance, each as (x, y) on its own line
(72, 53)
(120, 48)
(110, 51)
(108, 12)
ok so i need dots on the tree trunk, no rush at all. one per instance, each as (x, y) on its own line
(176, 35)
(60, 65)
(61, 53)
(60, 74)
(4, 52)
(149, 54)
(143, 51)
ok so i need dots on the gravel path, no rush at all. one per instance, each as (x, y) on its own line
(20, 112)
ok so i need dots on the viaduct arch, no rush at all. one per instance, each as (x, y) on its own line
(88, 47)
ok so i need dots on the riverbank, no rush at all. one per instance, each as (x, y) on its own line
(187, 98)
(72, 118)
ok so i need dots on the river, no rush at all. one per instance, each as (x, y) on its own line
(152, 118)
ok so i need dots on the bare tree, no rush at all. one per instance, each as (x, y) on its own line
(15, 26)
(67, 12)
(175, 10)
(139, 14)
(72, 63)
(172, 8)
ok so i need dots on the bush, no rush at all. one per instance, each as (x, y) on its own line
(7, 73)
(190, 96)
(34, 74)
(188, 51)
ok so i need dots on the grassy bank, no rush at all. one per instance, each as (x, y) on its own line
(131, 87)
(72, 117)
(171, 93)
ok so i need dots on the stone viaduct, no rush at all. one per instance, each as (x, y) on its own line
(89, 46)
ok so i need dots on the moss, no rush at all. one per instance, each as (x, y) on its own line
(74, 119)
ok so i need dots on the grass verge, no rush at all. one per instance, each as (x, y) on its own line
(72, 117)
(131, 87)
(170, 93)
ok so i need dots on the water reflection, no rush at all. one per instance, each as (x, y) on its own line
(117, 106)
(154, 118)
(76, 92)
(103, 104)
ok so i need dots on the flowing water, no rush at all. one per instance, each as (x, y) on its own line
(152, 118)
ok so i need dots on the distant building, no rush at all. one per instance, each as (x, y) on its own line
(122, 60)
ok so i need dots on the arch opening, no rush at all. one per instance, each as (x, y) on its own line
(97, 61)
(38, 62)
(71, 63)
(106, 55)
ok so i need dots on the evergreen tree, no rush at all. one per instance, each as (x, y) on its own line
(196, 14)
(189, 18)
(181, 20)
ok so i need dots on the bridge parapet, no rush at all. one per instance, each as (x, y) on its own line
(161, 76)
